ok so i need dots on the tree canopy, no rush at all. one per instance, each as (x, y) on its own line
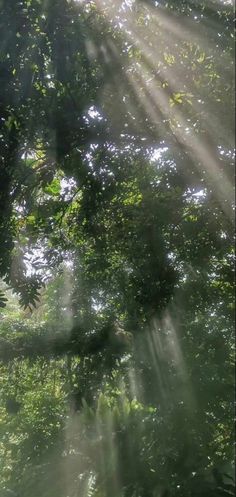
(117, 248)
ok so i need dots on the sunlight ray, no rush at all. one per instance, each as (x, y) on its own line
(155, 102)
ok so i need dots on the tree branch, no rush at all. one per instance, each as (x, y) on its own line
(54, 346)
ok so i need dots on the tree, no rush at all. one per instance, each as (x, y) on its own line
(117, 236)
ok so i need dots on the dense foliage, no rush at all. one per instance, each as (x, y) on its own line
(116, 235)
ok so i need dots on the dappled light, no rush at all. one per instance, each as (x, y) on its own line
(117, 248)
(158, 85)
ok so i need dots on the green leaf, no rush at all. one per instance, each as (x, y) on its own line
(53, 188)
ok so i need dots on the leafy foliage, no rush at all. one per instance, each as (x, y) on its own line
(116, 234)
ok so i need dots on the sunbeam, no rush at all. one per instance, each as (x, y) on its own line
(116, 259)
(155, 88)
